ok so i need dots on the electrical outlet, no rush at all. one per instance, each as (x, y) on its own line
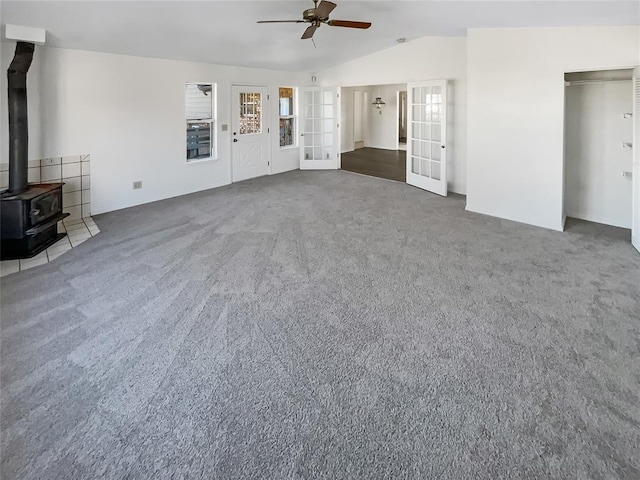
(137, 185)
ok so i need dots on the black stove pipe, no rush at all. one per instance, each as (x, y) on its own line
(18, 121)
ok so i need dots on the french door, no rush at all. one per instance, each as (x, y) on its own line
(319, 138)
(426, 142)
(250, 132)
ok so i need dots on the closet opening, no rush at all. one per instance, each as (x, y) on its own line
(598, 156)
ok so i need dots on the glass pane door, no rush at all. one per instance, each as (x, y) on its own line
(250, 138)
(426, 160)
(250, 113)
(319, 123)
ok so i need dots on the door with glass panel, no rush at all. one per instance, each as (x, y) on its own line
(426, 142)
(319, 129)
(250, 133)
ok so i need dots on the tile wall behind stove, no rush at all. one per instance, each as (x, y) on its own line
(73, 171)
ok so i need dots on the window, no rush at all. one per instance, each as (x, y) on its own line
(201, 129)
(287, 117)
(250, 113)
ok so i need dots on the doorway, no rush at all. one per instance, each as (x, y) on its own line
(402, 120)
(598, 148)
(371, 131)
(319, 149)
(250, 132)
(359, 116)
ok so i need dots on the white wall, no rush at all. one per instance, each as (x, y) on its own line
(516, 113)
(383, 124)
(128, 113)
(427, 58)
(635, 222)
(347, 105)
(595, 129)
(359, 116)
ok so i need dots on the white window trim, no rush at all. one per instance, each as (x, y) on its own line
(295, 118)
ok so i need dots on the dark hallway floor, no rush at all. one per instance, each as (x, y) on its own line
(390, 164)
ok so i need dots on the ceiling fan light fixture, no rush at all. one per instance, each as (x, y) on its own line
(318, 15)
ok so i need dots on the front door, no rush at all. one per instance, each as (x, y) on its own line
(250, 132)
(319, 138)
(427, 135)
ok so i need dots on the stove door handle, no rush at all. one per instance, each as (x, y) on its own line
(35, 212)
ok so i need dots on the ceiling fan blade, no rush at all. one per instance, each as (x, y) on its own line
(280, 21)
(325, 8)
(348, 24)
(308, 33)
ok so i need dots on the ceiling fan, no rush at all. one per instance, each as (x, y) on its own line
(318, 15)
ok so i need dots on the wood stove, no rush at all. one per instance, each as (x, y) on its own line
(29, 214)
(30, 220)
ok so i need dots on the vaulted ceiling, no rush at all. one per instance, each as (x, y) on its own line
(226, 32)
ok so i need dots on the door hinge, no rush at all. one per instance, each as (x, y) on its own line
(338, 125)
(268, 130)
(268, 164)
(268, 97)
(338, 95)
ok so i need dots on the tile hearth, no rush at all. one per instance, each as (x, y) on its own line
(78, 231)
(74, 171)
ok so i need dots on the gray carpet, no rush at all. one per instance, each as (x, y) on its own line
(324, 325)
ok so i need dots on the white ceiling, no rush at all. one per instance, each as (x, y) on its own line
(225, 32)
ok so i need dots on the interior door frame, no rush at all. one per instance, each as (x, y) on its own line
(400, 116)
(439, 187)
(358, 93)
(231, 116)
